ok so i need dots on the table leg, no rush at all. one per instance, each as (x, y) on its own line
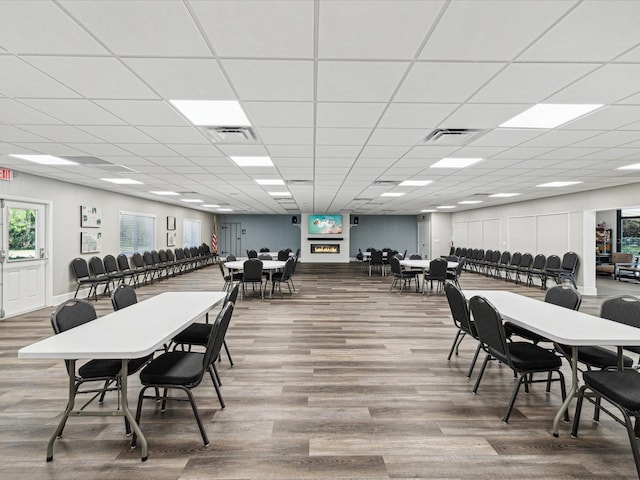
(67, 411)
(572, 391)
(127, 413)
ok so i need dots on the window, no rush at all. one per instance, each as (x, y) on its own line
(630, 238)
(137, 232)
(22, 234)
(191, 234)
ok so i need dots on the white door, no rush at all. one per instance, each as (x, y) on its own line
(424, 239)
(22, 257)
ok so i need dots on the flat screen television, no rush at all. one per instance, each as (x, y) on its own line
(325, 224)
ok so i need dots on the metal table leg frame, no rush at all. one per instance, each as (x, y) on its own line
(571, 393)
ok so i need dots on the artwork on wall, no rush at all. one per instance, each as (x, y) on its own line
(90, 242)
(171, 223)
(171, 239)
(90, 217)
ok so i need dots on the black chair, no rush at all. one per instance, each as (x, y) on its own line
(252, 273)
(569, 268)
(139, 268)
(231, 258)
(537, 270)
(513, 266)
(123, 296)
(278, 278)
(523, 358)
(376, 262)
(83, 278)
(229, 279)
(150, 266)
(252, 254)
(265, 256)
(159, 264)
(295, 265)
(96, 265)
(179, 370)
(523, 267)
(74, 313)
(454, 274)
(437, 272)
(125, 268)
(505, 259)
(462, 320)
(264, 249)
(551, 269)
(283, 255)
(111, 269)
(401, 276)
(621, 388)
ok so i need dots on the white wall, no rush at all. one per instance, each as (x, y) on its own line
(66, 200)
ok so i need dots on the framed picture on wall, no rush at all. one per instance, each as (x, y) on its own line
(90, 242)
(90, 217)
(171, 239)
(171, 223)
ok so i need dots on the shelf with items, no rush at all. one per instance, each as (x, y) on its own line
(603, 245)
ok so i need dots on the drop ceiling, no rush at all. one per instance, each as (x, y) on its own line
(340, 95)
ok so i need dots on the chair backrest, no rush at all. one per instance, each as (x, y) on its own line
(623, 309)
(415, 256)
(457, 251)
(148, 258)
(216, 338)
(163, 256)
(123, 296)
(359, 255)
(137, 259)
(396, 269)
(515, 259)
(505, 258)
(225, 277)
(460, 266)
(459, 309)
(553, 263)
(564, 296)
(283, 255)
(252, 254)
(376, 257)
(179, 253)
(232, 296)
(265, 249)
(438, 268)
(80, 268)
(488, 255)
(265, 256)
(97, 267)
(110, 264)
(252, 270)
(539, 262)
(464, 252)
(495, 256)
(123, 262)
(71, 314)
(155, 256)
(488, 322)
(231, 258)
(570, 262)
(526, 260)
(288, 269)
(169, 254)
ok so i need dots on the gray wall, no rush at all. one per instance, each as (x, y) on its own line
(399, 232)
(272, 231)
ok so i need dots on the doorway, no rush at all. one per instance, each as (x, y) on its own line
(23, 257)
(230, 239)
(424, 239)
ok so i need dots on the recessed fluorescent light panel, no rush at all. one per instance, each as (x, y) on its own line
(504, 195)
(211, 205)
(45, 159)
(634, 166)
(270, 181)
(392, 194)
(225, 209)
(191, 200)
(469, 202)
(455, 162)
(446, 206)
(168, 193)
(427, 211)
(122, 181)
(557, 184)
(252, 161)
(549, 115)
(280, 194)
(415, 183)
(212, 112)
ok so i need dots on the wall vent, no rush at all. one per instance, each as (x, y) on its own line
(231, 135)
(451, 136)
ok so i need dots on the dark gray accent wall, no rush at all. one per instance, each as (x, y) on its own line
(399, 232)
(272, 231)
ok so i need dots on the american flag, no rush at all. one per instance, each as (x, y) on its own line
(214, 240)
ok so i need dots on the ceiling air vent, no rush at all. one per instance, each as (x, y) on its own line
(451, 136)
(385, 183)
(232, 135)
(299, 182)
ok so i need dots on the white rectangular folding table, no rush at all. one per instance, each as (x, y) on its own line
(132, 332)
(561, 325)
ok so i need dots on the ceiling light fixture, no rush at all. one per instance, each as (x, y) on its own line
(164, 193)
(212, 112)
(45, 159)
(446, 206)
(280, 194)
(557, 184)
(415, 183)
(469, 202)
(392, 194)
(210, 205)
(252, 161)
(270, 181)
(191, 200)
(427, 211)
(122, 181)
(633, 166)
(549, 115)
(225, 209)
(504, 195)
(455, 162)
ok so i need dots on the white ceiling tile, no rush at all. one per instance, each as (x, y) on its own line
(462, 32)
(609, 84)
(94, 77)
(257, 28)
(431, 151)
(189, 135)
(383, 151)
(397, 136)
(56, 149)
(506, 87)
(141, 27)
(21, 80)
(284, 151)
(348, 114)
(242, 150)
(42, 27)
(358, 81)
(100, 149)
(342, 136)
(286, 136)
(74, 111)
(482, 116)
(13, 112)
(374, 30)
(279, 114)
(445, 82)
(523, 152)
(416, 115)
(505, 137)
(118, 134)
(61, 133)
(195, 150)
(183, 79)
(607, 118)
(148, 149)
(337, 150)
(144, 112)
(610, 139)
(12, 134)
(568, 153)
(593, 31)
(559, 138)
(286, 80)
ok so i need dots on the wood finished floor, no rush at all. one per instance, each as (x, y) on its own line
(345, 380)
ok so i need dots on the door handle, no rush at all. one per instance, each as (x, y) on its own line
(3, 256)
(43, 254)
